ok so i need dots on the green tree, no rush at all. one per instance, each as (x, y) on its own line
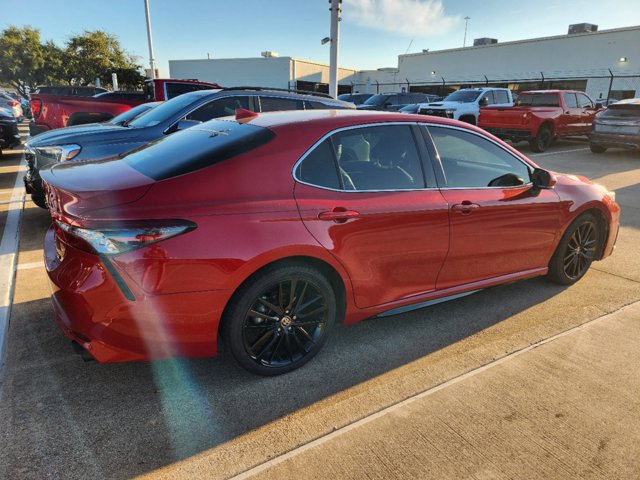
(21, 58)
(98, 54)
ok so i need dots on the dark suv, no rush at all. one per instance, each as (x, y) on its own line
(393, 101)
(102, 141)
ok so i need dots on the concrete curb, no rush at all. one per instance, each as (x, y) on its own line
(8, 259)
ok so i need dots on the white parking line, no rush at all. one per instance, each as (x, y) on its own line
(546, 154)
(8, 254)
(30, 265)
(363, 421)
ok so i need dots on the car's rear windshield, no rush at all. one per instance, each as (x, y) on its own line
(538, 100)
(197, 147)
(631, 110)
(463, 96)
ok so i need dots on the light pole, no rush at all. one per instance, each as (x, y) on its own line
(152, 62)
(466, 21)
(333, 60)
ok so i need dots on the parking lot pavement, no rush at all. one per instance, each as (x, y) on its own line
(563, 409)
(63, 418)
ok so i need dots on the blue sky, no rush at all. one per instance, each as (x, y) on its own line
(373, 32)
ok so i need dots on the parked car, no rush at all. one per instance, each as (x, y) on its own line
(617, 127)
(98, 142)
(6, 101)
(464, 104)
(392, 101)
(51, 111)
(9, 136)
(267, 231)
(355, 98)
(541, 116)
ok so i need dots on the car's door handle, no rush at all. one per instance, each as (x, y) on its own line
(465, 207)
(338, 215)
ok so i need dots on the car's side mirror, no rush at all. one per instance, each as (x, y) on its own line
(184, 124)
(542, 178)
(484, 101)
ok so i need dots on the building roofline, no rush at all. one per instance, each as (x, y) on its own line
(528, 40)
(294, 59)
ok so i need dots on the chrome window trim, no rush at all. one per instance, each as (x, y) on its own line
(427, 124)
(525, 163)
(354, 127)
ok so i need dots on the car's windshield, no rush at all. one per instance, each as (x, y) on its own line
(135, 112)
(163, 112)
(463, 96)
(376, 100)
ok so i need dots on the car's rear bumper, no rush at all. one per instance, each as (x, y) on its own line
(98, 307)
(608, 140)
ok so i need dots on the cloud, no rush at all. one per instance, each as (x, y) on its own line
(406, 17)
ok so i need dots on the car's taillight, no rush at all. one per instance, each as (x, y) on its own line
(13, 104)
(36, 107)
(121, 238)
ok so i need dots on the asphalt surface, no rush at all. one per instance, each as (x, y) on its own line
(63, 418)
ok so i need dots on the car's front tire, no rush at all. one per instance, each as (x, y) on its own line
(576, 251)
(279, 319)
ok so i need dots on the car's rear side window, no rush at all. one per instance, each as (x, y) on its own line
(197, 147)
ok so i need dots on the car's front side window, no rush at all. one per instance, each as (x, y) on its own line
(470, 161)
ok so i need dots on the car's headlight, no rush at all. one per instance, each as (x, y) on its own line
(59, 153)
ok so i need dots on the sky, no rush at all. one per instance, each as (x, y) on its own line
(372, 32)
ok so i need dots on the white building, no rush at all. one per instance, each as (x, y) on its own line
(604, 63)
(267, 71)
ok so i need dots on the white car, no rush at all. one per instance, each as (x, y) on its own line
(6, 101)
(465, 104)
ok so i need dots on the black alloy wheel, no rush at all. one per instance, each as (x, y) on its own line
(542, 140)
(576, 251)
(279, 320)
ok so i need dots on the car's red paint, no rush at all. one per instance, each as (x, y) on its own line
(385, 249)
(524, 122)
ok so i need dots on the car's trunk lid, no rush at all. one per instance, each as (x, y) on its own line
(74, 189)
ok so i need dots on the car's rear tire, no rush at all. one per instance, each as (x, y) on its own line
(576, 251)
(279, 319)
(597, 148)
(542, 141)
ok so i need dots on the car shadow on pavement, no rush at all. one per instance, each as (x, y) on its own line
(62, 417)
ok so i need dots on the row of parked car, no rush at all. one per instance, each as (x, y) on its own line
(263, 217)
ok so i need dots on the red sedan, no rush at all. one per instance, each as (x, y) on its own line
(269, 229)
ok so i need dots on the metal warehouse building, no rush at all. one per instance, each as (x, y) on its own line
(605, 64)
(266, 71)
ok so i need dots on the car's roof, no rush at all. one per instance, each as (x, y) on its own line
(339, 118)
(628, 101)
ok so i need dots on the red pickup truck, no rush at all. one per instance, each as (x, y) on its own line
(57, 111)
(541, 116)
